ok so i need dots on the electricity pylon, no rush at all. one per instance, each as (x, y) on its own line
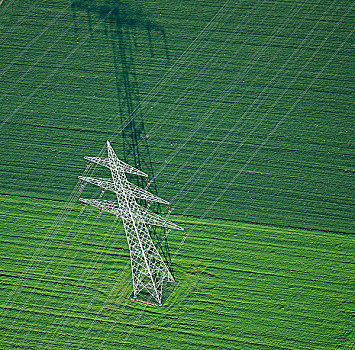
(149, 271)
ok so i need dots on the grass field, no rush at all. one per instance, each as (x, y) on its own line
(277, 288)
(243, 111)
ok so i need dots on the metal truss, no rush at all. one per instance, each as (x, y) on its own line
(149, 271)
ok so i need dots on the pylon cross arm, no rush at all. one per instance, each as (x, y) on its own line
(107, 184)
(119, 163)
(104, 205)
(140, 213)
(151, 218)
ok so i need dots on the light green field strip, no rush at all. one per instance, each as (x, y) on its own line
(240, 285)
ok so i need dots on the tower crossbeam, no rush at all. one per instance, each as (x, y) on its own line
(107, 184)
(114, 208)
(120, 164)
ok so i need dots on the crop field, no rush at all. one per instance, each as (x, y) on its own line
(242, 112)
(277, 288)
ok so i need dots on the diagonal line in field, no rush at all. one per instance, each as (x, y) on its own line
(210, 22)
(329, 8)
(254, 154)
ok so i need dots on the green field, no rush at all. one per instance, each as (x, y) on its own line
(244, 113)
(277, 288)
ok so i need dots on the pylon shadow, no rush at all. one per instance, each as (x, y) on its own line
(121, 24)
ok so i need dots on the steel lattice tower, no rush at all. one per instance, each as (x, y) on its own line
(149, 271)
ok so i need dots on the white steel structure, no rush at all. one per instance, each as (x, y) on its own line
(149, 271)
